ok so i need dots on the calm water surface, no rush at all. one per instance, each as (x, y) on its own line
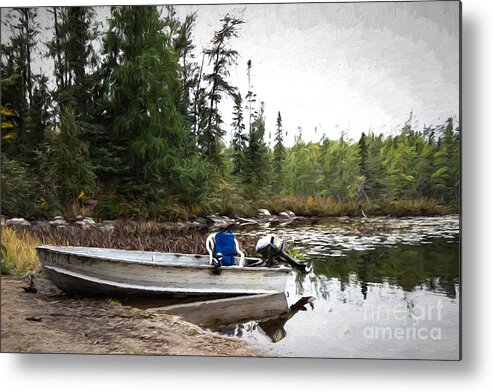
(382, 288)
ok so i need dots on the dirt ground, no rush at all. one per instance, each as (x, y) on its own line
(51, 322)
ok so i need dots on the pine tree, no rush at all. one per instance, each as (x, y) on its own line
(74, 58)
(257, 165)
(23, 91)
(301, 170)
(66, 163)
(279, 154)
(221, 57)
(445, 177)
(279, 150)
(142, 79)
(340, 168)
(239, 138)
(250, 97)
(182, 43)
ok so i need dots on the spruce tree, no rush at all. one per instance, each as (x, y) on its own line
(143, 89)
(66, 163)
(239, 138)
(181, 33)
(279, 150)
(24, 93)
(257, 165)
(74, 58)
(222, 58)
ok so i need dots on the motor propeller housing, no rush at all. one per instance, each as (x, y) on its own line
(272, 249)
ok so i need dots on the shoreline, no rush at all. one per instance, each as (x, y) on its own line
(209, 222)
(50, 321)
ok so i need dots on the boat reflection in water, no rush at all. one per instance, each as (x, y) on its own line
(231, 316)
(273, 326)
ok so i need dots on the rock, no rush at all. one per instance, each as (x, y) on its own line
(4, 221)
(17, 222)
(89, 221)
(80, 223)
(42, 223)
(247, 221)
(219, 222)
(290, 213)
(85, 223)
(58, 221)
(195, 225)
(284, 215)
(202, 221)
(263, 213)
(107, 225)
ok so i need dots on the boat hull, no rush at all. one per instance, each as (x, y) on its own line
(111, 272)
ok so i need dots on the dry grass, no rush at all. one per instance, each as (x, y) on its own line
(19, 253)
(328, 206)
(148, 236)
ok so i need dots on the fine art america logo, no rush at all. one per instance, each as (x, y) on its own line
(409, 322)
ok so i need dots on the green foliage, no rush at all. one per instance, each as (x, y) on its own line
(136, 127)
(21, 192)
(182, 43)
(23, 91)
(222, 58)
(279, 154)
(239, 138)
(302, 170)
(257, 163)
(148, 134)
(65, 163)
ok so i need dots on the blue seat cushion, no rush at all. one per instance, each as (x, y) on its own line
(225, 244)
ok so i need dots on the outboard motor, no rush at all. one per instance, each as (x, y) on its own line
(272, 249)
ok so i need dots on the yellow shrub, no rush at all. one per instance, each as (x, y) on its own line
(19, 253)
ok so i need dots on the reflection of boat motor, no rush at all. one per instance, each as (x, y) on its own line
(274, 328)
(272, 249)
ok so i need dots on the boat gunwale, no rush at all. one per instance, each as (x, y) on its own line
(56, 249)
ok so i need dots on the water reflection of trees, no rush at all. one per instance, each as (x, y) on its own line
(434, 265)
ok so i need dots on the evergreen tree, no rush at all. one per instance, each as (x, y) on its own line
(250, 97)
(221, 57)
(143, 95)
(374, 167)
(340, 168)
(239, 137)
(445, 177)
(182, 43)
(302, 171)
(66, 163)
(151, 169)
(279, 150)
(257, 165)
(279, 154)
(24, 93)
(74, 58)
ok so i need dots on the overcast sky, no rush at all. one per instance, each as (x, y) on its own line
(348, 67)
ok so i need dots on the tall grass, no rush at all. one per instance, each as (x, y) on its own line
(328, 206)
(19, 253)
(144, 236)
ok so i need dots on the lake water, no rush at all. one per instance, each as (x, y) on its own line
(380, 288)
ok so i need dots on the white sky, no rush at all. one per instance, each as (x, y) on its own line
(343, 66)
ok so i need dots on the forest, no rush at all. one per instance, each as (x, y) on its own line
(127, 124)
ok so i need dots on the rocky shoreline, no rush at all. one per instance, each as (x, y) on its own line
(210, 223)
